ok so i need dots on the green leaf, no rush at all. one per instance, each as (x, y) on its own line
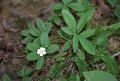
(84, 19)
(79, 1)
(62, 34)
(67, 30)
(25, 32)
(40, 25)
(80, 55)
(39, 63)
(111, 65)
(75, 43)
(33, 46)
(66, 1)
(44, 78)
(62, 79)
(32, 56)
(34, 31)
(112, 2)
(26, 79)
(37, 40)
(78, 78)
(113, 26)
(65, 8)
(48, 27)
(20, 73)
(45, 41)
(6, 78)
(86, 4)
(72, 77)
(51, 18)
(68, 17)
(28, 72)
(27, 40)
(60, 56)
(57, 20)
(102, 38)
(87, 45)
(76, 7)
(66, 46)
(81, 64)
(87, 33)
(117, 12)
(99, 76)
(56, 70)
(52, 49)
(58, 6)
(24, 72)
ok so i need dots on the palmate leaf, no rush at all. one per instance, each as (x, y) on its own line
(67, 30)
(112, 27)
(52, 48)
(55, 70)
(33, 46)
(84, 19)
(72, 77)
(57, 20)
(99, 76)
(87, 33)
(33, 31)
(78, 78)
(25, 32)
(6, 78)
(66, 46)
(44, 39)
(61, 33)
(48, 27)
(40, 25)
(58, 6)
(24, 72)
(80, 55)
(76, 6)
(81, 64)
(37, 40)
(62, 79)
(117, 12)
(111, 65)
(27, 40)
(39, 63)
(87, 45)
(26, 79)
(112, 2)
(69, 19)
(61, 56)
(33, 56)
(75, 43)
(66, 1)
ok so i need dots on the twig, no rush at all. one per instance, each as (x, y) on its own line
(118, 53)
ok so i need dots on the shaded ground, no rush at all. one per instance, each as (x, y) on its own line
(14, 15)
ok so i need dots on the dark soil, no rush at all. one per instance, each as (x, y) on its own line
(14, 16)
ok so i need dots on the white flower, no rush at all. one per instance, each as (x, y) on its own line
(41, 51)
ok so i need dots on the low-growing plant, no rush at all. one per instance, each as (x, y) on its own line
(24, 73)
(81, 39)
(83, 45)
(6, 78)
(40, 44)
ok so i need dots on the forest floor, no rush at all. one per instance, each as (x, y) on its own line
(16, 14)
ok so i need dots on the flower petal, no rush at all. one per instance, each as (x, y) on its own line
(44, 53)
(41, 54)
(43, 49)
(38, 51)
